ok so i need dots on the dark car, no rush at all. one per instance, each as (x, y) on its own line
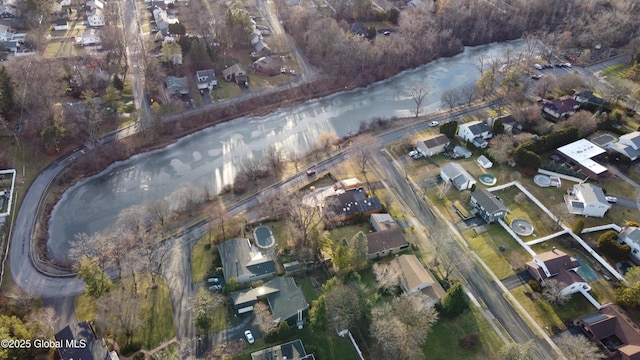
(311, 172)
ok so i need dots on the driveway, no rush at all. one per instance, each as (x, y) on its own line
(516, 280)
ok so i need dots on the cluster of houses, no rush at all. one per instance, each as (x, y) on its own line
(204, 80)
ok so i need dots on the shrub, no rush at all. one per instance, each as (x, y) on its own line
(469, 342)
(534, 285)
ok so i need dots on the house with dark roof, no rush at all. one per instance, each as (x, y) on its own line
(353, 202)
(457, 176)
(285, 299)
(386, 242)
(243, 261)
(177, 85)
(557, 265)
(293, 350)
(414, 277)
(628, 145)
(475, 132)
(206, 79)
(359, 29)
(266, 65)
(433, 145)
(235, 73)
(508, 122)
(560, 108)
(79, 342)
(588, 101)
(613, 330)
(631, 236)
(587, 200)
(489, 207)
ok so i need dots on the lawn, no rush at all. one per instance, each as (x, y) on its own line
(526, 209)
(307, 288)
(487, 245)
(548, 316)
(155, 314)
(202, 259)
(61, 48)
(348, 231)
(442, 342)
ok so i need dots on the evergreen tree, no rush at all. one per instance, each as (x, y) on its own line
(455, 301)
(6, 92)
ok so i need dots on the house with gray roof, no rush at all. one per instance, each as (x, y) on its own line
(415, 278)
(87, 345)
(457, 176)
(177, 85)
(285, 299)
(489, 207)
(243, 261)
(628, 145)
(587, 200)
(631, 237)
(206, 79)
(432, 145)
(475, 132)
(293, 350)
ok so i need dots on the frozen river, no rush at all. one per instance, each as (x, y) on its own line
(212, 156)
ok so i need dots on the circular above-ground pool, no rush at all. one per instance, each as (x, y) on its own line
(542, 180)
(487, 179)
(522, 227)
(263, 237)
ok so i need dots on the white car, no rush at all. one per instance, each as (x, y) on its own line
(413, 153)
(567, 65)
(538, 66)
(249, 337)
(611, 199)
(434, 123)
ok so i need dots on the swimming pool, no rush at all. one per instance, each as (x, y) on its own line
(586, 271)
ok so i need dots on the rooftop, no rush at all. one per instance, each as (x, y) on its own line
(240, 258)
(581, 152)
(488, 201)
(380, 241)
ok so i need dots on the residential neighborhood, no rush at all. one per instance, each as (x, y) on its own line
(258, 179)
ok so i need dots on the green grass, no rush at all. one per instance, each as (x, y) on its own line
(201, 260)
(222, 318)
(308, 290)
(155, 311)
(347, 232)
(526, 209)
(614, 71)
(548, 316)
(442, 342)
(487, 245)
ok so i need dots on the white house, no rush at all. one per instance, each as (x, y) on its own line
(631, 237)
(206, 79)
(476, 132)
(457, 176)
(96, 18)
(432, 145)
(557, 265)
(61, 25)
(91, 38)
(64, 2)
(6, 196)
(414, 277)
(628, 145)
(587, 200)
(581, 153)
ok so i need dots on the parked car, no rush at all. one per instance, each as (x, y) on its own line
(567, 65)
(213, 280)
(249, 336)
(413, 153)
(386, 33)
(434, 123)
(547, 66)
(538, 66)
(293, 72)
(611, 199)
(215, 288)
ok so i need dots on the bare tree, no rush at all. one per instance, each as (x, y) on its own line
(362, 149)
(515, 351)
(450, 98)
(543, 87)
(251, 168)
(387, 276)
(418, 93)
(306, 219)
(552, 292)
(95, 247)
(468, 94)
(23, 300)
(119, 312)
(43, 322)
(344, 307)
(90, 121)
(295, 157)
(578, 347)
(159, 210)
(263, 318)
(187, 198)
(275, 158)
(326, 140)
(274, 204)
(500, 148)
(204, 304)
(401, 328)
(584, 121)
